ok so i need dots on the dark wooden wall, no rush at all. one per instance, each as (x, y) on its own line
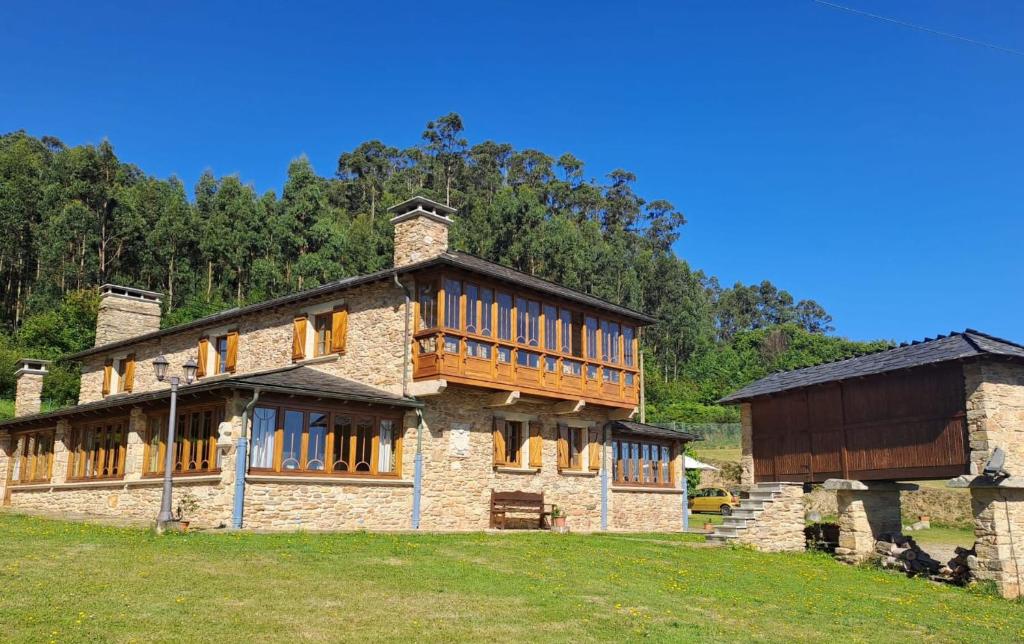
(903, 425)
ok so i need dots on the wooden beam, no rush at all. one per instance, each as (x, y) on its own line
(503, 399)
(620, 413)
(568, 407)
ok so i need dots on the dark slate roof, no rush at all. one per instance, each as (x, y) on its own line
(944, 348)
(643, 429)
(456, 259)
(300, 380)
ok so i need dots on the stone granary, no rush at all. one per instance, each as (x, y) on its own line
(942, 409)
(395, 400)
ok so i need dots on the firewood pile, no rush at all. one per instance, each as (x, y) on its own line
(901, 553)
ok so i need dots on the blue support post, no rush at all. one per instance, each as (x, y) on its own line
(241, 454)
(417, 490)
(686, 496)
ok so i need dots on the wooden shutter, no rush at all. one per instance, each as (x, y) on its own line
(499, 441)
(299, 338)
(563, 445)
(536, 444)
(594, 456)
(232, 357)
(204, 351)
(339, 328)
(129, 373)
(108, 370)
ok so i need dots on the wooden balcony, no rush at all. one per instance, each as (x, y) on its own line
(497, 364)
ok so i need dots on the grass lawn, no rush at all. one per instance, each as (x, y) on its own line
(74, 582)
(718, 453)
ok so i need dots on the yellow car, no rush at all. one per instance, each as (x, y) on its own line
(714, 500)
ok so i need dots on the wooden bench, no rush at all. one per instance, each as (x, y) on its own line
(504, 503)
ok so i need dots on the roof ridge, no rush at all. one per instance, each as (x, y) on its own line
(969, 332)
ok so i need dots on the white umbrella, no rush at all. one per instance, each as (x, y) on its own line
(693, 464)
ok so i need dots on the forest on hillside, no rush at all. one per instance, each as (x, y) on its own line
(76, 217)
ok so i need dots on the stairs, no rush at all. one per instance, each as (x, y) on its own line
(746, 515)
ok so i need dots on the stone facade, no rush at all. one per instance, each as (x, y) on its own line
(419, 237)
(780, 528)
(995, 412)
(999, 537)
(28, 397)
(747, 446)
(126, 313)
(867, 510)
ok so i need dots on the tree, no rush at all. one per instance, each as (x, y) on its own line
(447, 148)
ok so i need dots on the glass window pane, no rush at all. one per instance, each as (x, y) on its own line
(627, 349)
(550, 328)
(591, 337)
(504, 316)
(341, 459)
(452, 296)
(264, 425)
(364, 444)
(486, 301)
(291, 449)
(428, 306)
(472, 308)
(386, 450)
(317, 442)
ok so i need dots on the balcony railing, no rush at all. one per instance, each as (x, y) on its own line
(488, 362)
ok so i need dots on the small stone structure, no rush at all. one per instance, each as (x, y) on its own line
(28, 397)
(780, 528)
(868, 512)
(421, 230)
(125, 313)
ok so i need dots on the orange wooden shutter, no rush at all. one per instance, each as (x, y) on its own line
(232, 357)
(499, 441)
(129, 373)
(299, 338)
(563, 445)
(108, 370)
(536, 444)
(339, 329)
(204, 350)
(595, 450)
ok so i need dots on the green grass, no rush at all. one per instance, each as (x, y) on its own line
(75, 582)
(944, 535)
(6, 408)
(718, 453)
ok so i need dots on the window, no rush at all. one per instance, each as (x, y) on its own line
(324, 441)
(32, 458)
(528, 359)
(195, 442)
(504, 355)
(477, 349)
(572, 368)
(97, 451)
(610, 375)
(321, 334)
(591, 338)
(452, 308)
(528, 321)
(575, 448)
(504, 316)
(486, 302)
(472, 308)
(451, 344)
(427, 303)
(508, 442)
(630, 378)
(591, 372)
(611, 342)
(627, 345)
(565, 326)
(637, 462)
(551, 364)
(550, 328)
(126, 373)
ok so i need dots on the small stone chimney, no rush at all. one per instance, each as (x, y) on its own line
(421, 230)
(28, 396)
(126, 312)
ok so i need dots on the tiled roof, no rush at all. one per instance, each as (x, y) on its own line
(944, 348)
(295, 379)
(643, 429)
(457, 259)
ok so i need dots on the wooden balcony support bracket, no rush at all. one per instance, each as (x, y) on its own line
(568, 407)
(622, 413)
(503, 399)
(433, 387)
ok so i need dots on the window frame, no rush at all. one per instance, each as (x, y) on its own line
(79, 463)
(327, 319)
(26, 462)
(156, 438)
(621, 475)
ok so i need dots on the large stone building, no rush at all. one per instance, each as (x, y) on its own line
(395, 400)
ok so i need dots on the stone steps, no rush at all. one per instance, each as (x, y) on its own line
(746, 515)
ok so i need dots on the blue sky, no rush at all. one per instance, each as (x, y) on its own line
(874, 168)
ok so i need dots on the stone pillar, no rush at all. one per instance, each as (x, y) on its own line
(61, 455)
(998, 508)
(125, 313)
(5, 466)
(995, 413)
(867, 511)
(746, 446)
(421, 230)
(135, 448)
(780, 528)
(28, 397)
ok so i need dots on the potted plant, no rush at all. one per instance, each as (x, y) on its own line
(709, 527)
(558, 517)
(187, 505)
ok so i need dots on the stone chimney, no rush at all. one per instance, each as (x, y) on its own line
(28, 396)
(125, 313)
(421, 230)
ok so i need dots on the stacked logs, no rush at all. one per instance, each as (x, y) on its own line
(898, 552)
(958, 570)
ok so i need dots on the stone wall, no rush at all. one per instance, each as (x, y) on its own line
(120, 318)
(780, 528)
(328, 505)
(867, 511)
(746, 446)
(373, 355)
(995, 412)
(999, 537)
(419, 238)
(28, 396)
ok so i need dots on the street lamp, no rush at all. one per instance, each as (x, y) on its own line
(160, 367)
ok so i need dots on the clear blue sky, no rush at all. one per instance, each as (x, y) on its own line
(872, 167)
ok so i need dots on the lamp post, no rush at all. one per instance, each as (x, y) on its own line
(160, 367)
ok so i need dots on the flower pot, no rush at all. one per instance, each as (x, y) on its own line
(184, 525)
(709, 527)
(558, 522)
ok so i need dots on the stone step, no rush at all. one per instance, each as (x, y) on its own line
(756, 505)
(769, 487)
(719, 539)
(761, 495)
(738, 522)
(727, 530)
(747, 512)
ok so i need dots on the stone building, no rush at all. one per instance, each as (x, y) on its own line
(949, 408)
(396, 400)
